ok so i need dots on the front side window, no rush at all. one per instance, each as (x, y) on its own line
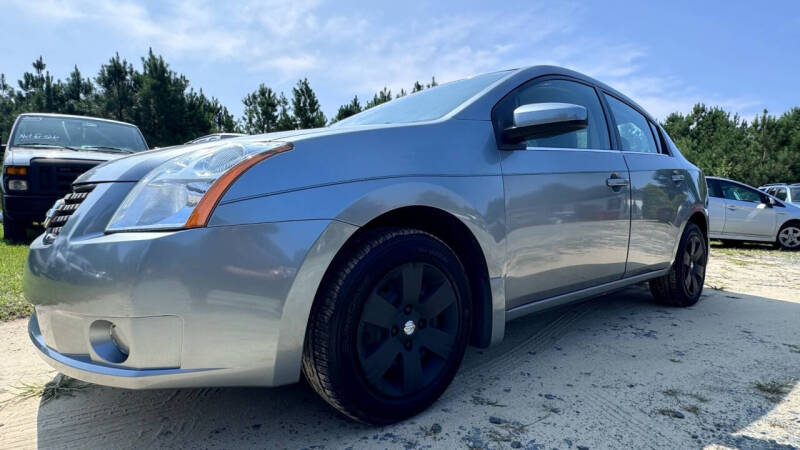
(634, 129)
(781, 194)
(795, 197)
(733, 191)
(594, 136)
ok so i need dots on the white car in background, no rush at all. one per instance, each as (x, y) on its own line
(743, 213)
(786, 192)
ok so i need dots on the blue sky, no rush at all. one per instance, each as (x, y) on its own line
(744, 56)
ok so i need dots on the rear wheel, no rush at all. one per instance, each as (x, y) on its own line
(683, 284)
(13, 230)
(789, 236)
(389, 326)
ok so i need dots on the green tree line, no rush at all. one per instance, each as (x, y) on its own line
(162, 103)
(722, 144)
(169, 111)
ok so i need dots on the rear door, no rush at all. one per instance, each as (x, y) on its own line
(567, 199)
(746, 213)
(660, 185)
(716, 207)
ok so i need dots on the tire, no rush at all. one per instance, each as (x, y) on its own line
(789, 236)
(379, 346)
(14, 231)
(683, 284)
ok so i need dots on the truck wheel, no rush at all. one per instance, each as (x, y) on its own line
(683, 284)
(14, 231)
(789, 236)
(389, 326)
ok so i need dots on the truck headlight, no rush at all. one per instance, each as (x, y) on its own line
(183, 192)
(17, 185)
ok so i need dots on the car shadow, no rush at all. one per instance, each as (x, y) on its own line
(617, 371)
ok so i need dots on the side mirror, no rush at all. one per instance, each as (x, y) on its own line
(539, 120)
(767, 200)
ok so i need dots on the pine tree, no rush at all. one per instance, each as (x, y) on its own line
(161, 103)
(307, 112)
(433, 83)
(383, 96)
(345, 111)
(286, 120)
(77, 93)
(260, 111)
(117, 91)
(417, 87)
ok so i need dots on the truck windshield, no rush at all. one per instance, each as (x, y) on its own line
(428, 104)
(76, 134)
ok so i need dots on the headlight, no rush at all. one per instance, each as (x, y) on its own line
(183, 192)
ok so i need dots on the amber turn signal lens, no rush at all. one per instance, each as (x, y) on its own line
(17, 170)
(202, 212)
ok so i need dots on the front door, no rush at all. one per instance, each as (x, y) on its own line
(746, 213)
(567, 201)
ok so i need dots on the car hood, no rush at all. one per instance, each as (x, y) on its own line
(132, 168)
(22, 156)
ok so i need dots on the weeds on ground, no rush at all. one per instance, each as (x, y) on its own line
(773, 390)
(60, 386)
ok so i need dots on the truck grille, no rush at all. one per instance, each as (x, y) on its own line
(60, 213)
(55, 176)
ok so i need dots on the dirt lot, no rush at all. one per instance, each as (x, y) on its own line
(617, 372)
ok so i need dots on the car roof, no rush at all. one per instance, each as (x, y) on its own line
(72, 116)
(474, 108)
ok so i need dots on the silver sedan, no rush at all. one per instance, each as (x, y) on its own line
(743, 213)
(366, 255)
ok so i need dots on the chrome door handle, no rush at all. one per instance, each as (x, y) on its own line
(616, 182)
(731, 207)
(677, 178)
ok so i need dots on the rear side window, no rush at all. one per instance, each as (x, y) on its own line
(634, 129)
(594, 136)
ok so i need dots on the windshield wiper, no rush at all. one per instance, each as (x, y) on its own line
(44, 144)
(104, 147)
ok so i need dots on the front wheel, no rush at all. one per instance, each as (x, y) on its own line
(789, 236)
(389, 327)
(683, 284)
(13, 230)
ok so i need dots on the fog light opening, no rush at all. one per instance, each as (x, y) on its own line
(108, 342)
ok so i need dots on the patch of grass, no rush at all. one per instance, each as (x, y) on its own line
(481, 401)
(12, 262)
(59, 386)
(694, 409)
(772, 390)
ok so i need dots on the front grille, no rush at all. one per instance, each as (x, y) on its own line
(58, 216)
(55, 176)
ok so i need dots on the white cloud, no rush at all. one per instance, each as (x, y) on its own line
(359, 50)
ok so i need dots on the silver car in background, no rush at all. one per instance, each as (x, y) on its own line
(739, 212)
(366, 255)
(785, 192)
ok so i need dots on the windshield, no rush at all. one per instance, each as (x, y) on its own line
(76, 134)
(429, 104)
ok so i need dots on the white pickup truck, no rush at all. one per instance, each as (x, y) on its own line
(46, 153)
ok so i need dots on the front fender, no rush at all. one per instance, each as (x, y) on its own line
(475, 200)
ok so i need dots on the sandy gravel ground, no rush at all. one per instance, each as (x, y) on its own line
(616, 372)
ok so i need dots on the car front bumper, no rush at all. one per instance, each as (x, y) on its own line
(218, 306)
